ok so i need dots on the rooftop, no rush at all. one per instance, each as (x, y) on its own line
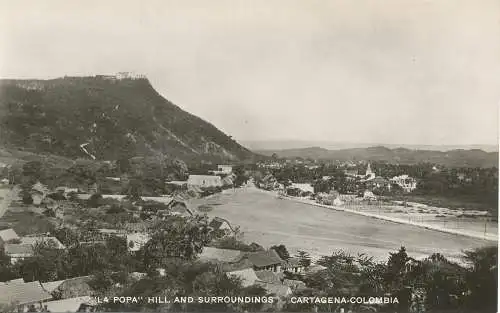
(8, 234)
(22, 293)
(268, 277)
(217, 222)
(264, 258)
(278, 290)
(247, 276)
(14, 249)
(70, 305)
(42, 239)
(222, 255)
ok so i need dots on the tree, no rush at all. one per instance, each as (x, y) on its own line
(304, 258)
(115, 209)
(123, 165)
(66, 236)
(177, 237)
(241, 178)
(282, 251)
(322, 186)
(7, 271)
(26, 197)
(101, 281)
(95, 201)
(33, 170)
(47, 264)
(442, 280)
(481, 279)
(135, 189)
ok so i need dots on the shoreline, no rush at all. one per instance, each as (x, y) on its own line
(486, 237)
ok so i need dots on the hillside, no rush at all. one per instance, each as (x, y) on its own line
(451, 158)
(108, 117)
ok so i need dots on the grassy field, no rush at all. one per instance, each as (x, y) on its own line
(267, 220)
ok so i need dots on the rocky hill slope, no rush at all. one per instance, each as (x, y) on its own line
(106, 117)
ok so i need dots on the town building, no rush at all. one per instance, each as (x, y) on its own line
(293, 265)
(307, 188)
(224, 169)
(137, 240)
(204, 181)
(406, 182)
(379, 183)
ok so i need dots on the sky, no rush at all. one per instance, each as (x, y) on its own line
(391, 71)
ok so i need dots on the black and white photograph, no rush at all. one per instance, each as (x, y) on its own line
(249, 156)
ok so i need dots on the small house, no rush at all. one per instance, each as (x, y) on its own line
(264, 260)
(293, 265)
(225, 169)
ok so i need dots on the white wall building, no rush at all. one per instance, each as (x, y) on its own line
(204, 181)
(406, 182)
(303, 187)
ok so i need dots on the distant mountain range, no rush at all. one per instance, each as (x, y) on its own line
(451, 158)
(106, 117)
(257, 145)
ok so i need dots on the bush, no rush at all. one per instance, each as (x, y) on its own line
(115, 209)
(27, 199)
(95, 201)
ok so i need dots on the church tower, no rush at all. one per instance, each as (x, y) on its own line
(369, 171)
